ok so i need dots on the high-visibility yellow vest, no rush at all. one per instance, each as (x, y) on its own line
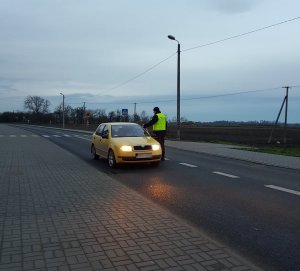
(161, 124)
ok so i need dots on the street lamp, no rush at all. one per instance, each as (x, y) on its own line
(63, 109)
(178, 86)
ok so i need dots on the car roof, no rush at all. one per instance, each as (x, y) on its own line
(121, 123)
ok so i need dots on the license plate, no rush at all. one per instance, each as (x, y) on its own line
(143, 155)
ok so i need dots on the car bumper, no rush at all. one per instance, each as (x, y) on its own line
(135, 159)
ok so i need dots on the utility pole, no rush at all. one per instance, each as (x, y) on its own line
(134, 112)
(178, 86)
(285, 101)
(286, 112)
(178, 91)
(63, 109)
(84, 116)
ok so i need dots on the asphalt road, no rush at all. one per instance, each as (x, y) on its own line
(229, 200)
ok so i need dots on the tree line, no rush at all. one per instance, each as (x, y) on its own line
(37, 111)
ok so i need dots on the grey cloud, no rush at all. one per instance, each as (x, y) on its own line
(233, 6)
(80, 47)
(7, 86)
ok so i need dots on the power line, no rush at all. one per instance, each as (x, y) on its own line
(196, 47)
(216, 96)
(189, 99)
(240, 35)
(230, 94)
(139, 75)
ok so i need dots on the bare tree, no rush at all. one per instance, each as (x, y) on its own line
(144, 117)
(112, 116)
(36, 104)
(100, 115)
(135, 118)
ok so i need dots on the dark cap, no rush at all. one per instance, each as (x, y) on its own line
(156, 109)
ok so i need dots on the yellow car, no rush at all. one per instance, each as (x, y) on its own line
(124, 142)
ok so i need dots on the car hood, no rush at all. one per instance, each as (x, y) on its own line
(133, 141)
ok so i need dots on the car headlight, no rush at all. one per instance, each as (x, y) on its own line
(126, 148)
(155, 147)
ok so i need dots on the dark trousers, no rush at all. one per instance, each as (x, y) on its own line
(160, 137)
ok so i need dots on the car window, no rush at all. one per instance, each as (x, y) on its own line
(115, 130)
(99, 129)
(128, 131)
(105, 131)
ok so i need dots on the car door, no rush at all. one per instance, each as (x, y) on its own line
(97, 138)
(105, 140)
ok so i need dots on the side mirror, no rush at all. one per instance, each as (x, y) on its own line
(105, 136)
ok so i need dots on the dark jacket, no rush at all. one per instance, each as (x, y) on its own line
(153, 121)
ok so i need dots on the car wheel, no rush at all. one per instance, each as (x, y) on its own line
(95, 156)
(111, 159)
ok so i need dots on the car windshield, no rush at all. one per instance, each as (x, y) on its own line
(128, 131)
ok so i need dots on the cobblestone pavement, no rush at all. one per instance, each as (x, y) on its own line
(59, 213)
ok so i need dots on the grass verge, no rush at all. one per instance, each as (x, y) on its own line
(288, 151)
(280, 150)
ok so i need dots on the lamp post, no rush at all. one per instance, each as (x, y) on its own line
(178, 86)
(63, 109)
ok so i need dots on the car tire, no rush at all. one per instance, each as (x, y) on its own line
(111, 159)
(95, 156)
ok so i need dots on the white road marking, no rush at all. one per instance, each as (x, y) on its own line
(65, 135)
(188, 165)
(47, 136)
(284, 189)
(225, 174)
(78, 136)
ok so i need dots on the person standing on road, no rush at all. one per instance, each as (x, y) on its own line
(159, 128)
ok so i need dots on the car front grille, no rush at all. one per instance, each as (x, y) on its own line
(154, 157)
(142, 147)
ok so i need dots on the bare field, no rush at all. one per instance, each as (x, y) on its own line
(253, 136)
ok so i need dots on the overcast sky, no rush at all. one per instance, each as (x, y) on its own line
(112, 54)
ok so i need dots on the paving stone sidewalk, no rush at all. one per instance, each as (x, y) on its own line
(59, 213)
